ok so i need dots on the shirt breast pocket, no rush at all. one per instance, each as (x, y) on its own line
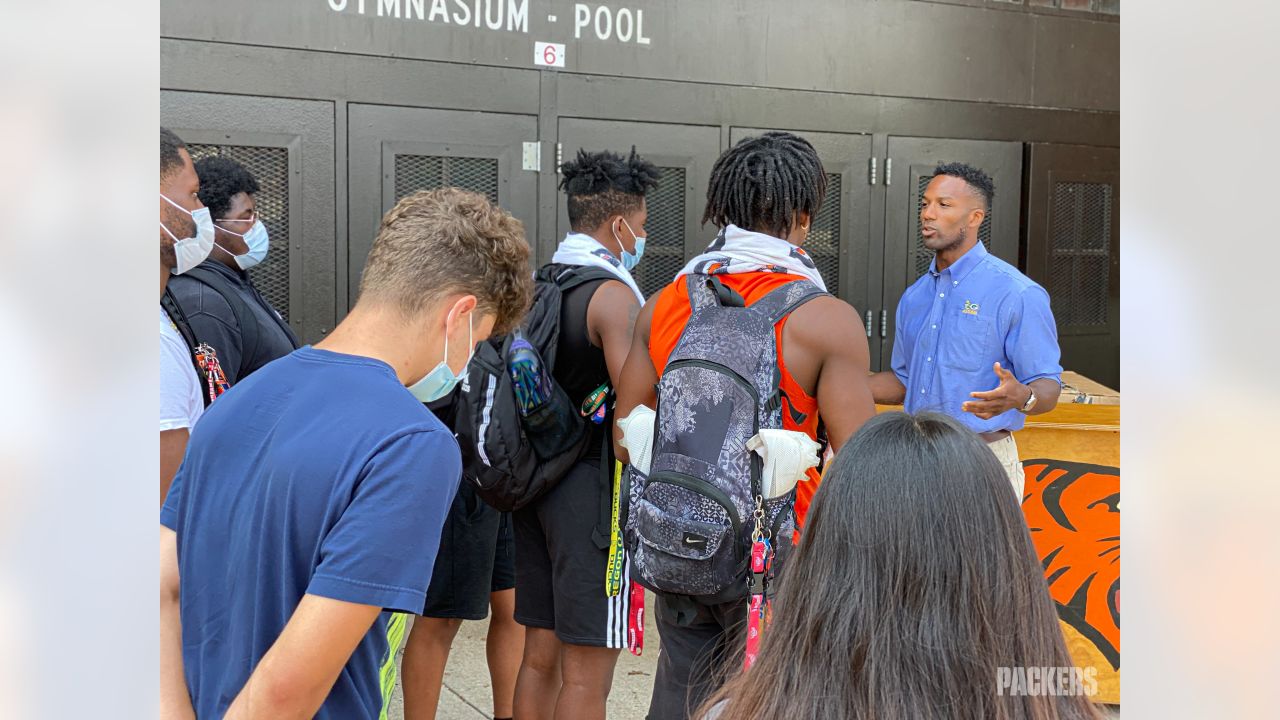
(968, 343)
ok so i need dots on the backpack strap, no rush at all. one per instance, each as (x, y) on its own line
(782, 301)
(244, 316)
(702, 293)
(567, 279)
(180, 321)
(602, 534)
(776, 305)
(179, 318)
(575, 275)
(541, 325)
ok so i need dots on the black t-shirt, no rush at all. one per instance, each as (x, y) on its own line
(580, 366)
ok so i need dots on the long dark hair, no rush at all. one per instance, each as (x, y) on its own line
(762, 182)
(916, 580)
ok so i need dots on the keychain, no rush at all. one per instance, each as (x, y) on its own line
(596, 405)
(215, 380)
(759, 610)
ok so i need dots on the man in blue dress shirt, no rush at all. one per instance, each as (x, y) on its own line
(971, 322)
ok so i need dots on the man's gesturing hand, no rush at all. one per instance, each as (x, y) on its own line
(1009, 394)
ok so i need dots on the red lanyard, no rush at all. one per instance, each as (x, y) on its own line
(635, 620)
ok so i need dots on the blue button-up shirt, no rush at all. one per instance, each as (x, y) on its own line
(953, 325)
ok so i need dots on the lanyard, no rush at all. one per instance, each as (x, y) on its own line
(635, 620)
(617, 553)
(616, 574)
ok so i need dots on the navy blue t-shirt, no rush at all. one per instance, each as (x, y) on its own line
(319, 474)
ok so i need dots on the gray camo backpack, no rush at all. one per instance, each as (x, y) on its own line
(690, 522)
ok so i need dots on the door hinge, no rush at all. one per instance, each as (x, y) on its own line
(532, 156)
(559, 157)
(873, 182)
(868, 323)
(884, 324)
(888, 171)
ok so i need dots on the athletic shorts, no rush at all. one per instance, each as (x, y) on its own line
(476, 558)
(560, 563)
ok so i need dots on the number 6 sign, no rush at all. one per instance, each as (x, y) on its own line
(548, 54)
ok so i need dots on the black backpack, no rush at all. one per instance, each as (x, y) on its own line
(512, 458)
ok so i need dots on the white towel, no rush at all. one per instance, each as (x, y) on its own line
(579, 249)
(637, 437)
(739, 251)
(787, 454)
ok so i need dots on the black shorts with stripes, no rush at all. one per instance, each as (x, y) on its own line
(560, 563)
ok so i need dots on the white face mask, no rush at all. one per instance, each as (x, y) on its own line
(257, 240)
(441, 380)
(193, 250)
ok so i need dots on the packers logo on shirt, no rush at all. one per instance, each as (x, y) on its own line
(970, 308)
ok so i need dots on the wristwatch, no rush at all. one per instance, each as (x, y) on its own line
(1031, 402)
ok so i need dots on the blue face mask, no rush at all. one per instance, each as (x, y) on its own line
(257, 240)
(630, 260)
(441, 380)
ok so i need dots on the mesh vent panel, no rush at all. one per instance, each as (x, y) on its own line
(426, 172)
(924, 256)
(664, 244)
(1080, 253)
(270, 167)
(823, 243)
(418, 172)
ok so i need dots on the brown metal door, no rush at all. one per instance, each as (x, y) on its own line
(1073, 250)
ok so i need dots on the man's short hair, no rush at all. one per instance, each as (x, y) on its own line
(220, 180)
(602, 184)
(436, 243)
(977, 180)
(170, 158)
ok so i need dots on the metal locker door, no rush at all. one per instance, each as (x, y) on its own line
(685, 153)
(838, 240)
(908, 170)
(288, 147)
(1073, 250)
(394, 151)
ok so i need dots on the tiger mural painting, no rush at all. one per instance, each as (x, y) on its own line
(1073, 513)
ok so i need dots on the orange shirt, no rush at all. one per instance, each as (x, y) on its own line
(672, 313)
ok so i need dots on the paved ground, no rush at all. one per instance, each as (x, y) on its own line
(467, 696)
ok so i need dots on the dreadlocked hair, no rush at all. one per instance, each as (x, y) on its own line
(602, 184)
(762, 182)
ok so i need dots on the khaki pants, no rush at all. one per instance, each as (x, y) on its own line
(1006, 451)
